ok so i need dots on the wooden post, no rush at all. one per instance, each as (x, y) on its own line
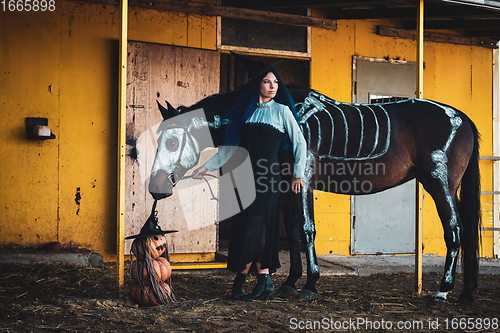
(419, 196)
(122, 112)
(420, 50)
(496, 151)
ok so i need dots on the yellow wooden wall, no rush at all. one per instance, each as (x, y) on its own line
(63, 65)
(458, 75)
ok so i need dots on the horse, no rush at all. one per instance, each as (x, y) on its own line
(412, 139)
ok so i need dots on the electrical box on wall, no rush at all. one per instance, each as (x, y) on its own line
(38, 129)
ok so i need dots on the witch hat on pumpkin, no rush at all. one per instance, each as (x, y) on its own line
(151, 227)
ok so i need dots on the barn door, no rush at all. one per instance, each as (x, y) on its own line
(383, 223)
(182, 76)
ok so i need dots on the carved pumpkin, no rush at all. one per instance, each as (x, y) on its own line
(138, 270)
(165, 268)
(153, 246)
(145, 297)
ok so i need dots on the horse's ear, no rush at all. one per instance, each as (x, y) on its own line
(246, 61)
(253, 67)
(167, 112)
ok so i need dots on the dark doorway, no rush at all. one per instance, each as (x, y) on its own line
(233, 75)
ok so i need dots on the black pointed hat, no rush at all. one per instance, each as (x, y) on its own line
(151, 227)
(255, 68)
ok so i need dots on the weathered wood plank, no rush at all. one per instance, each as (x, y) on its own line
(181, 76)
(137, 104)
(437, 37)
(232, 12)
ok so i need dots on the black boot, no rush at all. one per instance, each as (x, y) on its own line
(238, 289)
(263, 290)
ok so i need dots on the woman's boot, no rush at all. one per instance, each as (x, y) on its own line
(238, 289)
(264, 290)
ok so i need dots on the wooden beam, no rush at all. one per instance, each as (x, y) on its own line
(459, 24)
(436, 37)
(433, 11)
(419, 187)
(491, 34)
(309, 3)
(371, 13)
(496, 152)
(231, 12)
(122, 112)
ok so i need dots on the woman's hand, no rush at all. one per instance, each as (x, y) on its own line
(198, 173)
(297, 184)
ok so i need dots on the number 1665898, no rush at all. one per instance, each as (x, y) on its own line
(28, 5)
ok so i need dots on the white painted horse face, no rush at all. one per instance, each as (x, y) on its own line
(176, 146)
(178, 151)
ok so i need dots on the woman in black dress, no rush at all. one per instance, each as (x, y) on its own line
(262, 121)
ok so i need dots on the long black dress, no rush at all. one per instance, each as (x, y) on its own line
(255, 231)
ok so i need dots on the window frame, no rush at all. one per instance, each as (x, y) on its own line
(263, 51)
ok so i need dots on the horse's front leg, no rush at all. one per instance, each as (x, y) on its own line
(292, 214)
(309, 233)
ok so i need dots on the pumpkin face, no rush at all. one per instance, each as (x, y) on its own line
(139, 272)
(153, 246)
(158, 245)
(165, 268)
(145, 297)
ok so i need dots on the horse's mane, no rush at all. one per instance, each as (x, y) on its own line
(216, 104)
(299, 93)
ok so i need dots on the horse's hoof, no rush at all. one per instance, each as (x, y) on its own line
(307, 295)
(438, 301)
(286, 291)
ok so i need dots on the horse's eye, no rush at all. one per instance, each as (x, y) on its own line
(172, 144)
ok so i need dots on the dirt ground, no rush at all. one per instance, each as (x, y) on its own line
(58, 298)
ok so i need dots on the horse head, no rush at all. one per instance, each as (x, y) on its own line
(179, 147)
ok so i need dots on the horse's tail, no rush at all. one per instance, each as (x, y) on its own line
(470, 214)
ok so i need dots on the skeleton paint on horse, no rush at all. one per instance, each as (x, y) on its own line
(422, 139)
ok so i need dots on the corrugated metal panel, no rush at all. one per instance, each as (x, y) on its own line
(480, 3)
